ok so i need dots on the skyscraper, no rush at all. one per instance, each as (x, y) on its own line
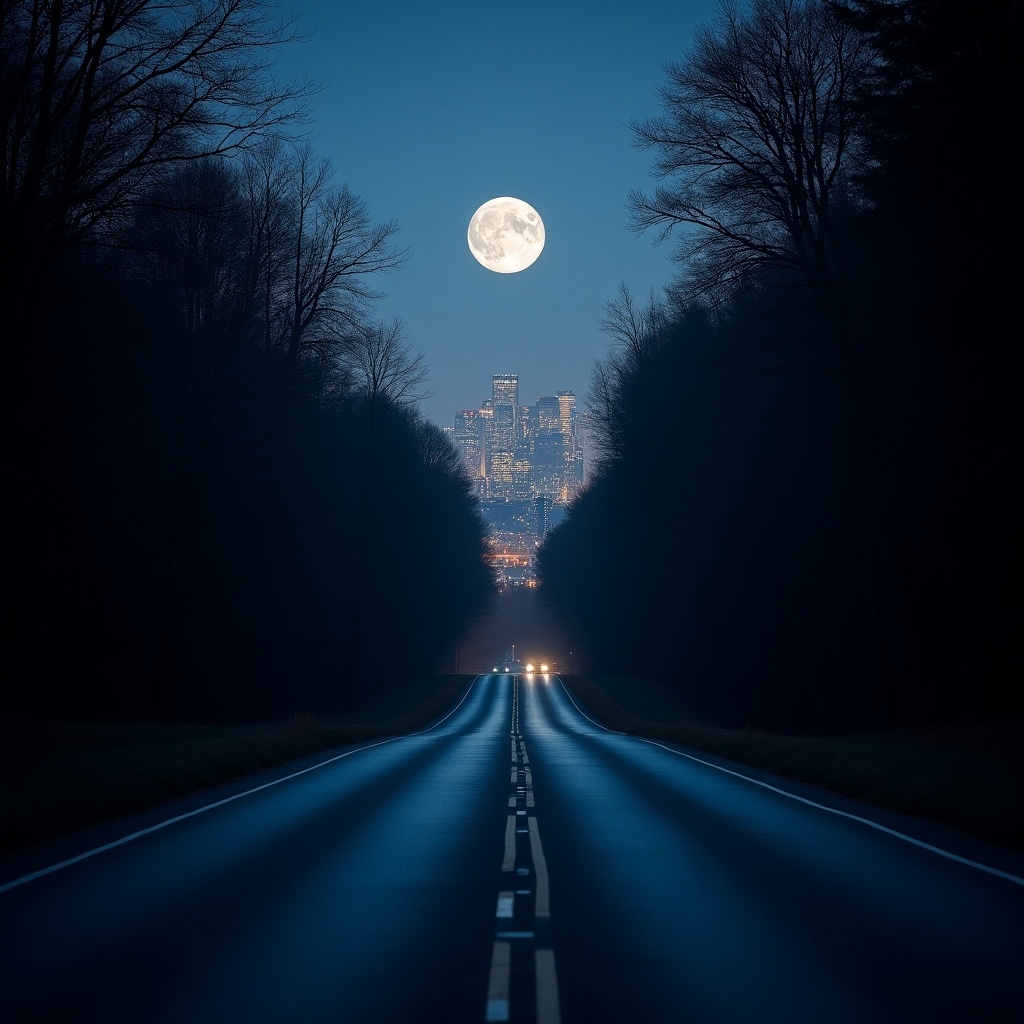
(504, 434)
(514, 453)
(541, 515)
(547, 446)
(505, 389)
(571, 451)
(469, 442)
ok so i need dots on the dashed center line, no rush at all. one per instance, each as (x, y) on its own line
(548, 1011)
(498, 985)
(510, 940)
(542, 906)
(509, 861)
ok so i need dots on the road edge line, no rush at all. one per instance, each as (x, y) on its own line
(1005, 875)
(33, 875)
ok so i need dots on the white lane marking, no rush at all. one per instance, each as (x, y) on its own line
(548, 1011)
(515, 775)
(171, 821)
(220, 803)
(498, 985)
(509, 863)
(810, 803)
(511, 801)
(506, 903)
(542, 906)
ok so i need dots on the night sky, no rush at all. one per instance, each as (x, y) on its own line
(430, 109)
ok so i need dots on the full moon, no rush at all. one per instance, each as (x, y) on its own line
(506, 235)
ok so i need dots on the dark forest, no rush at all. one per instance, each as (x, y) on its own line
(838, 367)
(221, 502)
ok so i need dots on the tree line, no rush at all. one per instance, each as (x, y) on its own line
(808, 504)
(223, 504)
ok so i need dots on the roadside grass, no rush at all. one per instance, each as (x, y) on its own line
(967, 776)
(59, 777)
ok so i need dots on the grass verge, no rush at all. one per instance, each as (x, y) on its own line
(967, 776)
(58, 777)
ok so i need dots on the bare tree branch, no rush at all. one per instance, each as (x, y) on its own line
(384, 366)
(757, 129)
(637, 330)
(97, 97)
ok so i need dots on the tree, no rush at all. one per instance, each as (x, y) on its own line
(315, 247)
(636, 332)
(334, 246)
(753, 146)
(99, 97)
(385, 368)
(943, 85)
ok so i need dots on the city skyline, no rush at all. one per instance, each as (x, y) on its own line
(518, 452)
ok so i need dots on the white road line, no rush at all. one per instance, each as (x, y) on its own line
(509, 863)
(542, 906)
(506, 904)
(548, 1011)
(220, 803)
(498, 986)
(181, 817)
(811, 803)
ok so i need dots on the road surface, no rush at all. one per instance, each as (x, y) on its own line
(514, 862)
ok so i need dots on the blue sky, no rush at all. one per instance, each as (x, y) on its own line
(430, 109)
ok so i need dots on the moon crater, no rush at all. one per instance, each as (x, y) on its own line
(506, 235)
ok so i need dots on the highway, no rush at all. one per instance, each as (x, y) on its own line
(513, 862)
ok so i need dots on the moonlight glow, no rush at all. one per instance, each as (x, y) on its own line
(506, 235)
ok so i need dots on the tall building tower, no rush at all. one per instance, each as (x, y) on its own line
(505, 389)
(572, 451)
(547, 447)
(541, 515)
(504, 434)
(486, 418)
(468, 438)
(547, 412)
(585, 431)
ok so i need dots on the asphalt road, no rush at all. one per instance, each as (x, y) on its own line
(514, 862)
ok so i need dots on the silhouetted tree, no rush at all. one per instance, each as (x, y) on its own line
(754, 146)
(941, 117)
(636, 332)
(730, 528)
(830, 536)
(97, 99)
(383, 366)
(334, 247)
